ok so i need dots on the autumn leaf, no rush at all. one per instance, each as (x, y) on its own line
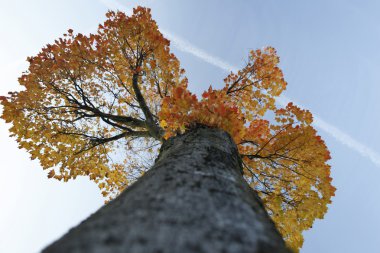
(86, 97)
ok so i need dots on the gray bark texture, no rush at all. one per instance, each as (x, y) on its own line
(193, 200)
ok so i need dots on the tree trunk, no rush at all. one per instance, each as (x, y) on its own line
(194, 199)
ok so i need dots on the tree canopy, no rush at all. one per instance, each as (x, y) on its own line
(99, 105)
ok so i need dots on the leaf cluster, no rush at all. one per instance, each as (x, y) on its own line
(100, 105)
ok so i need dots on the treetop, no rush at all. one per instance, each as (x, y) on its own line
(99, 105)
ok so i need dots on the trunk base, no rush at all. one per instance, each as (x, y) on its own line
(193, 200)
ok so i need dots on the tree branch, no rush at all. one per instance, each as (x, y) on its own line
(151, 125)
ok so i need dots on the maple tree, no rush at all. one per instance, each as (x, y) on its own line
(88, 97)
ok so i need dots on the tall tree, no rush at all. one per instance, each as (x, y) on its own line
(101, 105)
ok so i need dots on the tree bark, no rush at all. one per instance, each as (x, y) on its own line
(193, 200)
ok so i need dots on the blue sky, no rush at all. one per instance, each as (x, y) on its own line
(330, 58)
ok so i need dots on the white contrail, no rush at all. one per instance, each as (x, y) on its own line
(347, 140)
(187, 47)
(115, 5)
(338, 134)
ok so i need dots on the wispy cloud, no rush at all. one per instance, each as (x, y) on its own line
(333, 131)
